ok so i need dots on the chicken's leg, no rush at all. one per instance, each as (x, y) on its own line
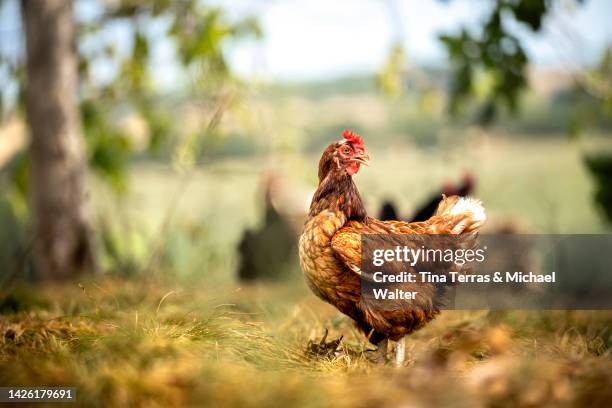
(400, 352)
(380, 354)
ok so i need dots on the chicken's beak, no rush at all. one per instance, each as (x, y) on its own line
(361, 157)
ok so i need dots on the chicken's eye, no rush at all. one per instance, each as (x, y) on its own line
(346, 150)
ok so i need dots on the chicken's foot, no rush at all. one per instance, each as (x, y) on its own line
(323, 348)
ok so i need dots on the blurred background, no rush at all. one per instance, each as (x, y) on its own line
(199, 124)
(157, 159)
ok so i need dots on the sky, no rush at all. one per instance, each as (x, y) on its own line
(316, 39)
(323, 39)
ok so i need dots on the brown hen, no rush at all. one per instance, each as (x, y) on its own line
(330, 246)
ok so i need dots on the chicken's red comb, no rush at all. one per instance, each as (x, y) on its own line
(354, 138)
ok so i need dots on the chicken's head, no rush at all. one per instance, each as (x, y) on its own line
(346, 155)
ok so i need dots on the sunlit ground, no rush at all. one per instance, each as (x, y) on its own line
(144, 343)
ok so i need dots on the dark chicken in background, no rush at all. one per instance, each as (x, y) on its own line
(267, 253)
(330, 246)
(388, 210)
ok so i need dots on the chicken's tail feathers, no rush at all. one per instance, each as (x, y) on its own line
(467, 213)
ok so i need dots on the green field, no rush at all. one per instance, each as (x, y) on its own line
(538, 186)
(541, 184)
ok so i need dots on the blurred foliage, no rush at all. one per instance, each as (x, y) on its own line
(197, 32)
(591, 97)
(390, 77)
(13, 217)
(496, 54)
(593, 93)
(130, 92)
(490, 66)
(108, 147)
(600, 166)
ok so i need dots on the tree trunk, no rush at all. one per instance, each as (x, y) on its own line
(62, 247)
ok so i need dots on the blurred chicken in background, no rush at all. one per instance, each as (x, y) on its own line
(268, 252)
(388, 211)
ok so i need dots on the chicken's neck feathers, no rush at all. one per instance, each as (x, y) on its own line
(338, 192)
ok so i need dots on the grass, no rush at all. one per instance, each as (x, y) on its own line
(148, 343)
(192, 336)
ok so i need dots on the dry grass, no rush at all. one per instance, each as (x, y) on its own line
(128, 343)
